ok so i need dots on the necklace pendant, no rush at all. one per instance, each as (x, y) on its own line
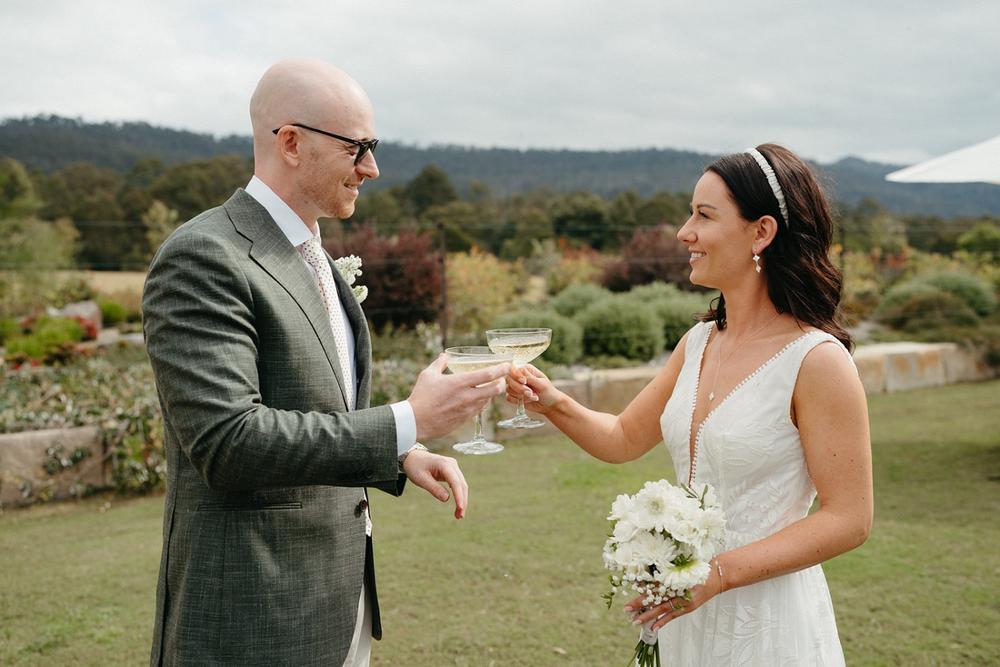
(711, 396)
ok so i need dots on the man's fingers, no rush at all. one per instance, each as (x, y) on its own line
(459, 488)
(445, 470)
(486, 375)
(440, 363)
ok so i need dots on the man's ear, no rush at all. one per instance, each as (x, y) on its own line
(289, 145)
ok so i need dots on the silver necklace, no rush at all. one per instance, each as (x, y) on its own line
(737, 346)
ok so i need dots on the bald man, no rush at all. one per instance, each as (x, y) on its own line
(262, 359)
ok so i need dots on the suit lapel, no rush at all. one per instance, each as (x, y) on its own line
(271, 250)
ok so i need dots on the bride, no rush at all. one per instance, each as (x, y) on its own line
(760, 399)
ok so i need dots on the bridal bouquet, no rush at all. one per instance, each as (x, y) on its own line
(350, 268)
(660, 546)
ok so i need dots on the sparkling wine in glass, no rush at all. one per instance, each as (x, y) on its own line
(466, 359)
(524, 345)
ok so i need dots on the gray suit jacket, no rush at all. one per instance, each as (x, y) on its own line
(264, 547)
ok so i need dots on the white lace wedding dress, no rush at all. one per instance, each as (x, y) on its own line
(749, 450)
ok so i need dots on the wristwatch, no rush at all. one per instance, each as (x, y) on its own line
(402, 457)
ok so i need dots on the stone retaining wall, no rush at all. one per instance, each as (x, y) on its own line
(50, 465)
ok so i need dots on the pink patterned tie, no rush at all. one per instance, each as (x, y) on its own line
(312, 252)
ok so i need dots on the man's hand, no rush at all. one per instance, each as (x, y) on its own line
(427, 470)
(442, 402)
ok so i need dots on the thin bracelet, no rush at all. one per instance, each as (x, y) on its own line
(722, 579)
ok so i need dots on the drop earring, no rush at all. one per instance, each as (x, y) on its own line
(756, 261)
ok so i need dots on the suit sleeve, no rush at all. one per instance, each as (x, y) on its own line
(198, 320)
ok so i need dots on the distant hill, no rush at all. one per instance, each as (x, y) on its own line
(47, 143)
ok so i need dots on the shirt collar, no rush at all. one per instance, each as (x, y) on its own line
(287, 220)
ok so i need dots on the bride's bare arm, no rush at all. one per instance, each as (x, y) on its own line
(610, 438)
(832, 418)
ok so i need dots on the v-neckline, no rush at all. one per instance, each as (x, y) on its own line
(693, 444)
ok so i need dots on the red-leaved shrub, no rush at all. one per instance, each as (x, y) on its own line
(402, 274)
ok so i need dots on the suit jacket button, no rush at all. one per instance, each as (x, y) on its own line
(362, 506)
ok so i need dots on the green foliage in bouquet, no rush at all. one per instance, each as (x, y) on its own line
(578, 297)
(621, 327)
(567, 336)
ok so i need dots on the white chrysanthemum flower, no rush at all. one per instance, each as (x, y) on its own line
(687, 576)
(621, 508)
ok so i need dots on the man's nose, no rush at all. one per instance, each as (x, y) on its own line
(368, 167)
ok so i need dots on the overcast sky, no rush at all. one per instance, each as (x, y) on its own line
(888, 80)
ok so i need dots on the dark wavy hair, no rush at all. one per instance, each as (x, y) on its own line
(801, 279)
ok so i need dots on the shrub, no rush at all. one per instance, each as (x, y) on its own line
(621, 327)
(392, 379)
(676, 310)
(651, 254)
(567, 336)
(918, 307)
(480, 287)
(420, 343)
(983, 239)
(9, 328)
(71, 289)
(573, 268)
(973, 291)
(576, 298)
(50, 339)
(30, 251)
(112, 312)
(402, 274)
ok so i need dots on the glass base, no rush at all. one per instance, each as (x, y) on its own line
(523, 421)
(478, 447)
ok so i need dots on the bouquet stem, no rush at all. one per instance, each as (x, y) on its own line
(646, 653)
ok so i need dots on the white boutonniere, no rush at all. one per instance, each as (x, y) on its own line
(350, 268)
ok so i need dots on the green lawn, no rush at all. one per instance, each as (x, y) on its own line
(518, 582)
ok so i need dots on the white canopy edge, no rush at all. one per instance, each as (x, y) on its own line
(979, 163)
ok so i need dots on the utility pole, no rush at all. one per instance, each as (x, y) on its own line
(443, 308)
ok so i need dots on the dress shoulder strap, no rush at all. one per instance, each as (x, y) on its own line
(791, 362)
(696, 338)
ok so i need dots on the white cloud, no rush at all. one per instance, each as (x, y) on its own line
(901, 79)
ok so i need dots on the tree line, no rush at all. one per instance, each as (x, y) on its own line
(120, 218)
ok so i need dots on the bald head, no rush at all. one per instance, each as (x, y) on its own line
(306, 91)
(316, 175)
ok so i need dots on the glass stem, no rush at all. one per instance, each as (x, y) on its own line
(521, 414)
(479, 427)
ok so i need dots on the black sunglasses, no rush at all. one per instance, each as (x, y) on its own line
(363, 146)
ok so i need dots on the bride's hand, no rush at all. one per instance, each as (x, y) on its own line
(670, 609)
(532, 385)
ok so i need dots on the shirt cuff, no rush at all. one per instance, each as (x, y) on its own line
(406, 427)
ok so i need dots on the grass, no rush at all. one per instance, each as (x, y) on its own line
(518, 582)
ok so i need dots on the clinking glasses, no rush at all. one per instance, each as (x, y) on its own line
(363, 146)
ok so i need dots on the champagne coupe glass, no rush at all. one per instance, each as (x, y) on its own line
(466, 359)
(524, 345)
